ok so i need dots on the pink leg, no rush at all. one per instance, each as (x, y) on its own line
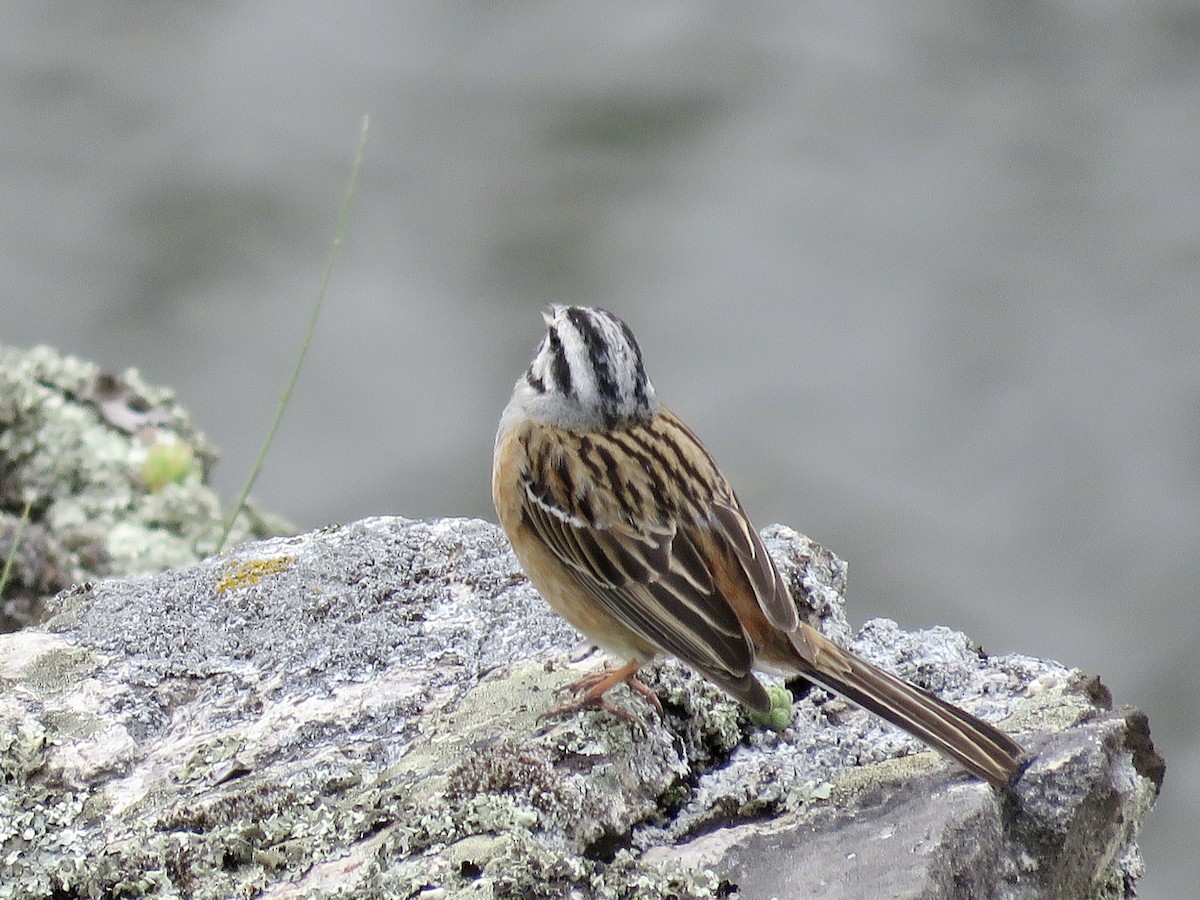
(594, 686)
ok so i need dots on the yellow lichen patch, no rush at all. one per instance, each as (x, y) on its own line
(245, 573)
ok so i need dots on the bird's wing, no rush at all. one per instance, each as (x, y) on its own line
(658, 540)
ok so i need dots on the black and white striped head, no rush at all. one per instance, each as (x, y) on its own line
(587, 372)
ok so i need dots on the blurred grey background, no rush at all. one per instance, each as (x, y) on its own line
(924, 275)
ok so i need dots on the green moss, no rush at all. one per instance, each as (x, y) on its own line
(522, 771)
(173, 462)
(631, 876)
(779, 716)
(22, 749)
(61, 669)
(213, 755)
(1055, 706)
(74, 725)
(520, 812)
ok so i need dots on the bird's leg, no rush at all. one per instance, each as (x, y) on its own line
(593, 686)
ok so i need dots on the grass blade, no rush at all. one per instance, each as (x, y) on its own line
(339, 233)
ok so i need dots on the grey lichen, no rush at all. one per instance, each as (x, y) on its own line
(116, 472)
(45, 841)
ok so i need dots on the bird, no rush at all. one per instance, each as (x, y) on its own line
(623, 522)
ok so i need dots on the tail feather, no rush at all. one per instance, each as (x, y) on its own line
(982, 749)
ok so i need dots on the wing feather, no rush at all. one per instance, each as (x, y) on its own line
(665, 608)
(646, 555)
(770, 591)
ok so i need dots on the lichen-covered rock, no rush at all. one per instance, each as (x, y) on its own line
(357, 712)
(113, 472)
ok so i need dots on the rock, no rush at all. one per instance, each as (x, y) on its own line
(355, 712)
(114, 475)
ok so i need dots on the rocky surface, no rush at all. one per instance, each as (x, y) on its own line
(355, 712)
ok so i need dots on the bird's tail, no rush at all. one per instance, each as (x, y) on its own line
(982, 749)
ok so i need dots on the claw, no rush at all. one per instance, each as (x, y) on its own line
(593, 687)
